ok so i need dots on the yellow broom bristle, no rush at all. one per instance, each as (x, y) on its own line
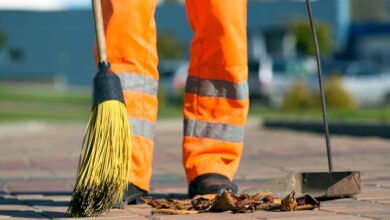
(104, 167)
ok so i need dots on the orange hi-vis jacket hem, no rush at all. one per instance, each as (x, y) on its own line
(216, 94)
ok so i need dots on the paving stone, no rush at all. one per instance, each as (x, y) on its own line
(249, 184)
(167, 189)
(59, 198)
(168, 183)
(258, 215)
(317, 214)
(141, 209)
(52, 212)
(333, 217)
(20, 214)
(16, 207)
(124, 217)
(18, 211)
(374, 174)
(69, 174)
(39, 168)
(173, 169)
(348, 205)
(58, 162)
(379, 183)
(120, 213)
(167, 178)
(44, 203)
(256, 169)
(25, 173)
(372, 193)
(37, 186)
(375, 214)
(3, 190)
(22, 197)
(9, 200)
(208, 216)
(383, 201)
(12, 163)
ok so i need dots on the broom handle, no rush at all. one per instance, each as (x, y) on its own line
(99, 30)
(323, 103)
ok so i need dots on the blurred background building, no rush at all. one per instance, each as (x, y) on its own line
(62, 39)
(53, 44)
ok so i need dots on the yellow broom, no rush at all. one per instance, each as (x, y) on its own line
(104, 166)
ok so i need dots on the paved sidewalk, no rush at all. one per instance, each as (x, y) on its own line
(38, 165)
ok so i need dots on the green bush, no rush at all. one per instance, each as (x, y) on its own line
(298, 97)
(162, 96)
(336, 95)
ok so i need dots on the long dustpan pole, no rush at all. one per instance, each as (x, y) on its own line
(323, 103)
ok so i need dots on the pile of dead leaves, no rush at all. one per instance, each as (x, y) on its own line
(228, 202)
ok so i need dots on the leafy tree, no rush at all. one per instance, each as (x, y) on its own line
(2, 39)
(304, 38)
(169, 47)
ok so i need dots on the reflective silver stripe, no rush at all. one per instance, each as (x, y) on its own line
(223, 132)
(217, 88)
(138, 83)
(142, 127)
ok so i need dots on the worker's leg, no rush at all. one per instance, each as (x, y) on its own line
(131, 47)
(216, 94)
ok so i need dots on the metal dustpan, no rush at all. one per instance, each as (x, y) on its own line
(329, 184)
(323, 185)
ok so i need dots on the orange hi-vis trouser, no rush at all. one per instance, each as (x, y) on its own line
(216, 94)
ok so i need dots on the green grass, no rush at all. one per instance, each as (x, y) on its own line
(15, 116)
(170, 111)
(31, 103)
(38, 95)
(48, 104)
(374, 114)
(20, 104)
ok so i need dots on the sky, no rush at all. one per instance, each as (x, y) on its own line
(43, 5)
(55, 5)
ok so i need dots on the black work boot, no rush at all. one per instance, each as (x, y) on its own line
(132, 195)
(210, 183)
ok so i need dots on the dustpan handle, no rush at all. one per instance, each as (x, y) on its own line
(323, 103)
(99, 30)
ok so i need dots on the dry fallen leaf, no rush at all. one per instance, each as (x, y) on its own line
(289, 203)
(206, 196)
(268, 207)
(174, 212)
(223, 202)
(246, 203)
(201, 204)
(168, 203)
(268, 199)
(277, 201)
(305, 207)
(229, 202)
(307, 202)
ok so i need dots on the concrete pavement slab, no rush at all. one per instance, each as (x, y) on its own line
(38, 170)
